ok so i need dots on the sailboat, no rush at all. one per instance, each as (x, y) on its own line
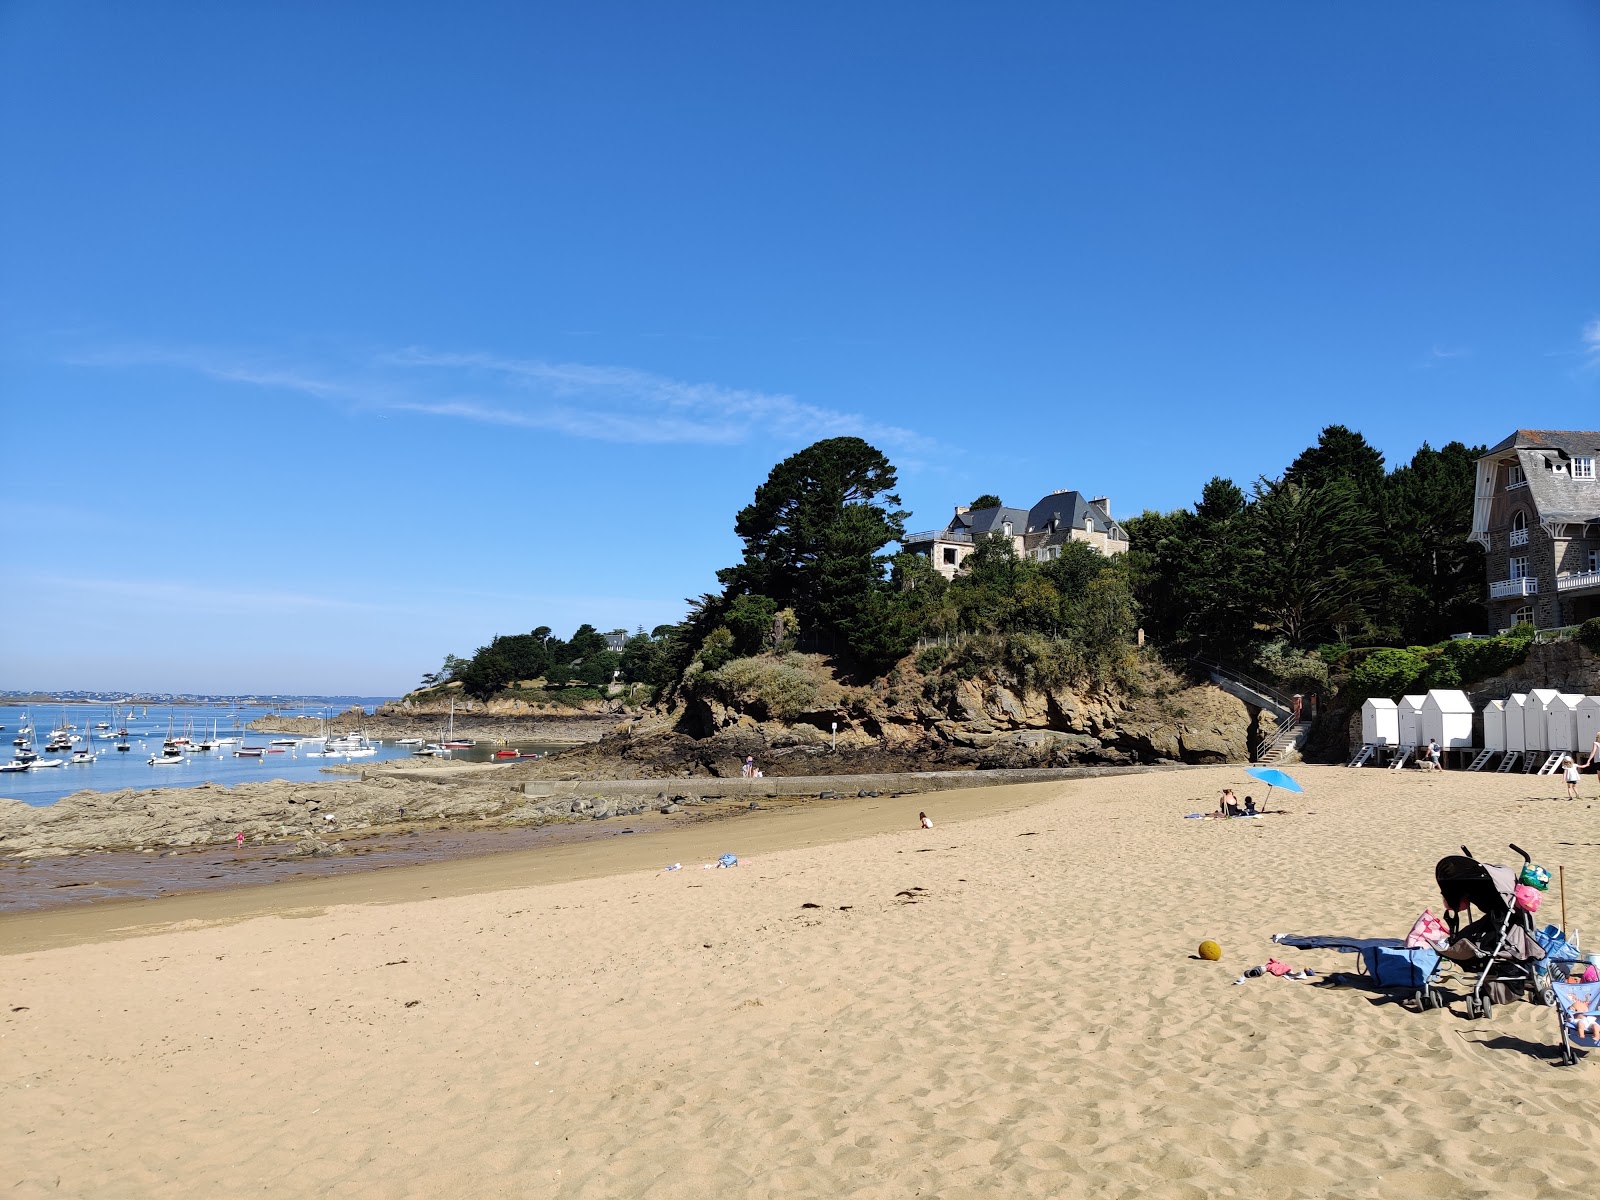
(452, 742)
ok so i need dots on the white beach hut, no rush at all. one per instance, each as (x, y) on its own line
(1447, 717)
(1535, 719)
(1494, 726)
(1410, 714)
(1561, 724)
(1380, 722)
(1588, 723)
(1516, 722)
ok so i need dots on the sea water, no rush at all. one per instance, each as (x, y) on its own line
(147, 727)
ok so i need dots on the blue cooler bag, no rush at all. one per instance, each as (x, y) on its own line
(1400, 967)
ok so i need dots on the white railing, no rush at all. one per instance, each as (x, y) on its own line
(1578, 579)
(1519, 537)
(1516, 483)
(1528, 585)
(937, 535)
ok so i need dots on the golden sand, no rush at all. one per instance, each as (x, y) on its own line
(1005, 1005)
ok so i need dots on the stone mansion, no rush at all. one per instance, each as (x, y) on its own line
(1536, 513)
(1036, 533)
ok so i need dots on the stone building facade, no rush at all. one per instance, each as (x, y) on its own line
(1536, 513)
(1037, 533)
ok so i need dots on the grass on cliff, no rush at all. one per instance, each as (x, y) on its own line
(773, 687)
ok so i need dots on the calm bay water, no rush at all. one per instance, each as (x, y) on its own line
(147, 726)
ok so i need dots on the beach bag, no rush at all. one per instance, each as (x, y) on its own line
(1527, 899)
(1428, 931)
(1401, 968)
(1535, 877)
(1555, 945)
(727, 860)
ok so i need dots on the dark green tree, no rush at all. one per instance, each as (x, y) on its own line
(1317, 570)
(813, 539)
(1437, 570)
(987, 500)
(1340, 454)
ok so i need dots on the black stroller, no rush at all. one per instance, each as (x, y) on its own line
(1499, 947)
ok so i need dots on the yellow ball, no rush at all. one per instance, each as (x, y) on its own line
(1210, 951)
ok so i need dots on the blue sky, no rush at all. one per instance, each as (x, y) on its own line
(334, 337)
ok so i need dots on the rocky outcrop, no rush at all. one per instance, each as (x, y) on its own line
(397, 721)
(1564, 666)
(895, 726)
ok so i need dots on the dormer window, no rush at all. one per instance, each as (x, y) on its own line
(1088, 524)
(1005, 528)
(1583, 468)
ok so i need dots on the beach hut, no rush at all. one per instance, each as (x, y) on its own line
(1447, 718)
(1516, 722)
(1535, 719)
(1380, 722)
(1561, 724)
(1588, 723)
(1494, 726)
(1410, 714)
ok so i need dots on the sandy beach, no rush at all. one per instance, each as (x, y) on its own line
(1006, 1005)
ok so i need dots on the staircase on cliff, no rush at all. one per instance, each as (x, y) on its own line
(1291, 734)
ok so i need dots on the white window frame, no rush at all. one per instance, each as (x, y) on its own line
(1594, 562)
(1518, 566)
(1514, 477)
(1523, 615)
(1583, 468)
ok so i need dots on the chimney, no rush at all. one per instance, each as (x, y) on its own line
(1104, 503)
(962, 508)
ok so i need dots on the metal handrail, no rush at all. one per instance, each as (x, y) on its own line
(937, 535)
(1255, 685)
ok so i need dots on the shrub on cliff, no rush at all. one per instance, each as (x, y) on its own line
(1589, 635)
(776, 688)
(1384, 673)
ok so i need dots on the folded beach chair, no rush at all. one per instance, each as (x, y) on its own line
(1578, 1016)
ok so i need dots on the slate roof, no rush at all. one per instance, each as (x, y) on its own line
(1069, 509)
(989, 520)
(1557, 496)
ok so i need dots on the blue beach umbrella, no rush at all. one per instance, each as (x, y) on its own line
(1273, 777)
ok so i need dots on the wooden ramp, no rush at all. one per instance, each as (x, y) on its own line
(1363, 755)
(1401, 758)
(1508, 762)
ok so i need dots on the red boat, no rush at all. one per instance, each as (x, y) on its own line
(506, 754)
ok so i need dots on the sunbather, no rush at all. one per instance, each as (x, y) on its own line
(1228, 806)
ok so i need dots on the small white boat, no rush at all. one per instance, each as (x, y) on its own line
(82, 756)
(227, 741)
(432, 750)
(165, 760)
(408, 741)
(284, 742)
(16, 764)
(49, 762)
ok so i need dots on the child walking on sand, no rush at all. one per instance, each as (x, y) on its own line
(1570, 774)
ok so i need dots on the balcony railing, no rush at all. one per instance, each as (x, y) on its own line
(937, 535)
(1528, 585)
(1576, 580)
(1519, 537)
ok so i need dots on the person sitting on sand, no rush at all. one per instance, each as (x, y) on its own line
(1228, 806)
(925, 820)
(1249, 806)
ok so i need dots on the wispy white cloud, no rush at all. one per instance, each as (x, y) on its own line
(581, 400)
(1591, 342)
(1440, 355)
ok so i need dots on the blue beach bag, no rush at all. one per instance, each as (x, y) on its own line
(1401, 967)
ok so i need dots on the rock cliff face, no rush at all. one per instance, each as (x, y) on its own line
(982, 724)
